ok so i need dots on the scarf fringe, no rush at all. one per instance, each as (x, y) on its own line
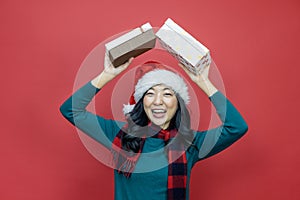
(123, 163)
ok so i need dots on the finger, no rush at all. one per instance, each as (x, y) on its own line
(206, 66)
(107, 61)
(130, 59)
(125, 65)
(184, 68)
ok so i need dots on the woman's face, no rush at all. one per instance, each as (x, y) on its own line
(160, 105)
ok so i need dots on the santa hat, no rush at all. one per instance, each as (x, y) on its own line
(153, 73)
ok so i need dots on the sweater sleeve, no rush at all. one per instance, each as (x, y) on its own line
(74, 110)
(215, 140)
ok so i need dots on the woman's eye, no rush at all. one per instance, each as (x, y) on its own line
(168, 94)
(149, 93)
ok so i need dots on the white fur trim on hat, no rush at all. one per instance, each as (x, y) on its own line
(156, 77)
(127, 108)
(161, 76)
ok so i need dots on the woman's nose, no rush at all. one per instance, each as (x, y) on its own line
(158, 99)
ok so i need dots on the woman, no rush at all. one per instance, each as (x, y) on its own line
(156, 119)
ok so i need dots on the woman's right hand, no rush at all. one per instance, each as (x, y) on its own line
(109, 72)
(113, 71)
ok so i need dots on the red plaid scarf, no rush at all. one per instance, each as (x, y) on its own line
(125, 162)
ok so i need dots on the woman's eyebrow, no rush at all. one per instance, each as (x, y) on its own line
(169, 90)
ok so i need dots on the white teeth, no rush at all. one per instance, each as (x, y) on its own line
(158, 111)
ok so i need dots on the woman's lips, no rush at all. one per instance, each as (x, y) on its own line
(158, 113)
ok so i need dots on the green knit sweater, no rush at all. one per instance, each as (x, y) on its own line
(149, 180)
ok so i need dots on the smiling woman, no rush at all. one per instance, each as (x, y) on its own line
(157, 120)
(160, 105)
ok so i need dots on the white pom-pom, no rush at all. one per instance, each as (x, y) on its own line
(127, 108)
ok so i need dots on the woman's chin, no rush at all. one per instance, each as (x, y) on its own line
(160, 123)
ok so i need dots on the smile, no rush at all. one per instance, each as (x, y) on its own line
(158, 113)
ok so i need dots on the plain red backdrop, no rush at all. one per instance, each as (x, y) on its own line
(255, 45)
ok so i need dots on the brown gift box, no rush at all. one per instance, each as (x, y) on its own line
(131, 44)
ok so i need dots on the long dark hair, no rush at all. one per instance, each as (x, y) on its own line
(138, 123)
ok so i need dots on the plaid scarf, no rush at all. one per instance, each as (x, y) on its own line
(125, 162)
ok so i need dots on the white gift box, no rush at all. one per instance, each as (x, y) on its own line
(186, 49)
(131, 44)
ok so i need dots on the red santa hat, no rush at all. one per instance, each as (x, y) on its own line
(153, 73)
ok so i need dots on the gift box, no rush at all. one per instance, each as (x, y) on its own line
(131, 44)
(183, 46)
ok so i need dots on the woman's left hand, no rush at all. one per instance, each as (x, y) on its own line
(202, 80)
(197, 78)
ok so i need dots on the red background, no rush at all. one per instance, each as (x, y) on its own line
(254, 43)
